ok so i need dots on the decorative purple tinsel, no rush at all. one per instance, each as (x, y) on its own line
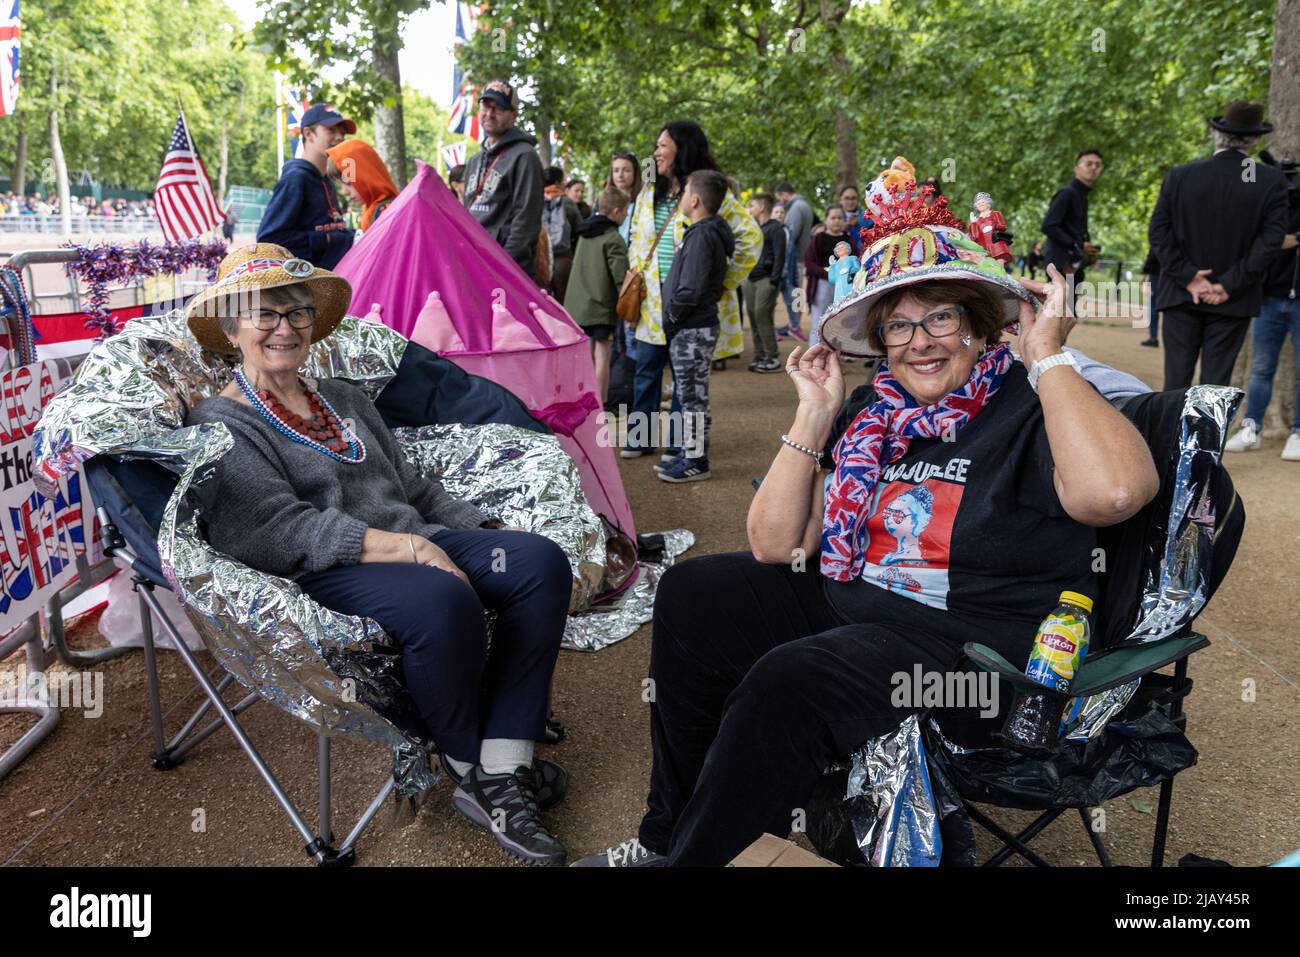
(117, 264)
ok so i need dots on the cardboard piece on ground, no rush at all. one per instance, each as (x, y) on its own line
(771, 851)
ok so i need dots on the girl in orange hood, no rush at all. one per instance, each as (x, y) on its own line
(363, 176)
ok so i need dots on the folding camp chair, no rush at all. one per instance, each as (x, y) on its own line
(1144, 744)
(1161, 567)
(136, 500)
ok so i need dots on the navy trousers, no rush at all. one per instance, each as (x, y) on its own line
(465, 692)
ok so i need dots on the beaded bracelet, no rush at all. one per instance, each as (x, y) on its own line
(801, 448)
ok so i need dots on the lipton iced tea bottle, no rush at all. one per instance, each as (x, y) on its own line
(1061, 643)
(1033, 723)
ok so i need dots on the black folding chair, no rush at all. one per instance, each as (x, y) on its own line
(1144, 745)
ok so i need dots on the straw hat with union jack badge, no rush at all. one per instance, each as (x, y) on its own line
(247, 270)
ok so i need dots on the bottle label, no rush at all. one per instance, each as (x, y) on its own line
(1058, 651)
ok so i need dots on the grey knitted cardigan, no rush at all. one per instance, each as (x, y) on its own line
(281, 507)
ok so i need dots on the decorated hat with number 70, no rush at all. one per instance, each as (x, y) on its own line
(910, 237)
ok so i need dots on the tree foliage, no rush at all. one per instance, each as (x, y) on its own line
(985, 96)
(995, 96)
(121, 65)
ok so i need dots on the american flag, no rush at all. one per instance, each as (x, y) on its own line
(183, 198)
(9, 61)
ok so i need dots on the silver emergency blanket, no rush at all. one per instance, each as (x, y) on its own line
(522, 478)
(891, 769)
(130, 397)
(133, 390)
(616, 619)
(1175, 590)
(898, 824)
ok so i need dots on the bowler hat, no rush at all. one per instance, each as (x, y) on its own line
(1242, 118)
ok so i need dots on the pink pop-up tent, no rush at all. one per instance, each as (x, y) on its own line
(441, 281)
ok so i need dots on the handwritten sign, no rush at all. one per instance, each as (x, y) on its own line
(40, 537)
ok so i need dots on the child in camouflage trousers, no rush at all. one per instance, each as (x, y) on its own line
(691, 293)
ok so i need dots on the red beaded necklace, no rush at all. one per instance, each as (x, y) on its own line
(320, 426)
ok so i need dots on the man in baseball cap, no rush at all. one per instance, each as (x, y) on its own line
(503, 180)
(303, 215)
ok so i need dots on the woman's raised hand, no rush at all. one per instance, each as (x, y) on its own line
(1044, 334)
(817, 377)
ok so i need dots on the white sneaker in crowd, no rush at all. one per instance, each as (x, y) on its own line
(1246, 439)
(1291, 451)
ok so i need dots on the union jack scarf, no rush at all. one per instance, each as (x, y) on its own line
(880, 436)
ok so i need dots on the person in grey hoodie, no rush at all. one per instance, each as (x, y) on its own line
(503, 181)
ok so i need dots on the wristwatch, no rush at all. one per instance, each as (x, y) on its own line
(1048, 362)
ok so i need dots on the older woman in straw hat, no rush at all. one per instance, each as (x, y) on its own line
(316, 489)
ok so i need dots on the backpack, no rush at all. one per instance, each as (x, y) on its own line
(557, 227)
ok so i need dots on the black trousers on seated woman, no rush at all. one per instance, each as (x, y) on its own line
(760, 683)
(464, 692)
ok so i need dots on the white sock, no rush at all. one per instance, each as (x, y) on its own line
(460, 767)
(503, 755)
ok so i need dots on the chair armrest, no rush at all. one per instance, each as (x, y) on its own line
(1109, 669)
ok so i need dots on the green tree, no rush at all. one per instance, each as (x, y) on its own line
(363, 34)
(118, 67)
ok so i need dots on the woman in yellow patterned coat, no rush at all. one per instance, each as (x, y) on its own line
(680, 150)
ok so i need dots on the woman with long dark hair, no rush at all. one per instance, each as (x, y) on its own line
(657, 228)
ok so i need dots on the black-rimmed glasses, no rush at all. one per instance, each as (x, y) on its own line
(938, 324)
(266, 320)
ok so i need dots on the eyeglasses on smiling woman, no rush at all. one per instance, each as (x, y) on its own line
(938, 324)
(266, 320)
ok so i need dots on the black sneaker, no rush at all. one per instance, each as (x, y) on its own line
(770, 365)
(628, 854)
(551, 779)
(505, 805)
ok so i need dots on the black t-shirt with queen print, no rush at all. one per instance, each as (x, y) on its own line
(973, 527)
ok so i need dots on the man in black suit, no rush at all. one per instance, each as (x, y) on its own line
(1069, 246)
(1214, 225)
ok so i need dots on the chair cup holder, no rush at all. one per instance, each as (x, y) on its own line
(1033, 723)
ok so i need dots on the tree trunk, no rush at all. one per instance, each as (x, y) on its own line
(846, 150)
(846, 124)
(390, 127)
(542, 130)
(19, 184)
(60, 167)
(1284, 114)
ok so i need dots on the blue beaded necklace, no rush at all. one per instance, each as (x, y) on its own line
(357, 446)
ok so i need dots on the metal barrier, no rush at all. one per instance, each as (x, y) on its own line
(24, 261)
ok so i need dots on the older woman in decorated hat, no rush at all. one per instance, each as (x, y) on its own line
(954, 505)
(317, 490)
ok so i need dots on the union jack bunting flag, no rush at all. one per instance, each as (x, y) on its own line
(464, 115)
(9, 60)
